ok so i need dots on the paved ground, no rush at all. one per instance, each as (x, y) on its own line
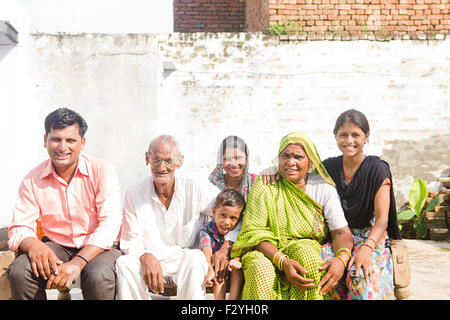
(430, 271)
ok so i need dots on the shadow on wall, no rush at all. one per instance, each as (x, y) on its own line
(424, 159)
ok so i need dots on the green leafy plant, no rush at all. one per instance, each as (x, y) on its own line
(416, 211)
(291, 27)
(277, 29)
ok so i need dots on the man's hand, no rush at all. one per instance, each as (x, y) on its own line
(68, 273)
(220, 261)
(44, 261)
(153, 276)
(293, 269)
(331, 279)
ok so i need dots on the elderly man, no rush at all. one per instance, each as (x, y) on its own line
(162, 217)
(77, 198)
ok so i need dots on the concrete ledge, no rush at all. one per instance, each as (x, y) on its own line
(6, 257)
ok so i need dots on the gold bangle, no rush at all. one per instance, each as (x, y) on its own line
(345, 252)
(275, 257)
(280, 262)
(345, 264)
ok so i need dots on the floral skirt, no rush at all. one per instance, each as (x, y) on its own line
(354, 287)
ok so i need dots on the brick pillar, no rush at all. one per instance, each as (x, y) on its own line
(257, 15)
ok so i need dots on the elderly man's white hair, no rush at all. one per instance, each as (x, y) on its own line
(165, 139)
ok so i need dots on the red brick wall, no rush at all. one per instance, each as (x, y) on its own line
(256, 15)
(209, 15)
(348, 19)
(397, 18)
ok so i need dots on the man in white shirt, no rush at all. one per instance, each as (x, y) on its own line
(163, 214)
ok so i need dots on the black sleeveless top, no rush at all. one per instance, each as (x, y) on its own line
(358, 197)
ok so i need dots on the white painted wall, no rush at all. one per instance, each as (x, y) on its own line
(113, 81)
(100, 16)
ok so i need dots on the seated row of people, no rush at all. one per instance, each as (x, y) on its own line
(304, 229)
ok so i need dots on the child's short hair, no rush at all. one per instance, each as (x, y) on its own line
(230, 198)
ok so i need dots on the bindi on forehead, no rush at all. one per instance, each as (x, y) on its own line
(293, 149)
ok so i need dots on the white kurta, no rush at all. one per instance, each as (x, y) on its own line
(171, 235)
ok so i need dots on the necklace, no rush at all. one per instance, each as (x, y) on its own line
(348, 178)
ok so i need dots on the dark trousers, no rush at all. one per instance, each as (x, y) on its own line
(98, 278)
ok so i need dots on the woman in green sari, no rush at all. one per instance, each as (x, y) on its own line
(284, 226)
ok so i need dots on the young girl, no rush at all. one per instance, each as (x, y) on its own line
(364, 184)
(226, 213)
(232, 166)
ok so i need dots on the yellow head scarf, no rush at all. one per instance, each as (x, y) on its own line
(310, 149)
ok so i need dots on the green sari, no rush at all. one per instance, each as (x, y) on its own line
(285, 216)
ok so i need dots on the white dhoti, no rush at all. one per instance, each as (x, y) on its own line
(188, 270)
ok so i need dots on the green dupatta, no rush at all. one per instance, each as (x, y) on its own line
(282, 214)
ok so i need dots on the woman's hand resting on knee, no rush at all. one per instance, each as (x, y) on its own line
(293, 270)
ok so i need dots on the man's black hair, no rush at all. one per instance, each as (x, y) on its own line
(64, 117)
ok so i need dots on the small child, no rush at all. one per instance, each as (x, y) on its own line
(226, 213)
